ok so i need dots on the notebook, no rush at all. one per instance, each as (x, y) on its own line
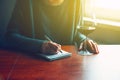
(59, 55)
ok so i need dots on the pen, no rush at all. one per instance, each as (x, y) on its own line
(50, 40)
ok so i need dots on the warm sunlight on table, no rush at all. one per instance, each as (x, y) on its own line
(104, 66)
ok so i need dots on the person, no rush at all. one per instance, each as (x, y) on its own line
(32, 20)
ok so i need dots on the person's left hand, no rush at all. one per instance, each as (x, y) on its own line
(90, 45)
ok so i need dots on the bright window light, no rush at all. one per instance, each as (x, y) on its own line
(103, 10)
(108, 4)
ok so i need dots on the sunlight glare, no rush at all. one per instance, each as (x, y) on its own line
(108, 4)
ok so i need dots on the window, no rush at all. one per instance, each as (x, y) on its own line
(105, 11)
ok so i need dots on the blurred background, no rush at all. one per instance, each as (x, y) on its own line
(106, 14)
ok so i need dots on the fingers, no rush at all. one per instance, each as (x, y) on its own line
(80, 47)
(96, 51)
(51, 47)
(90, 46)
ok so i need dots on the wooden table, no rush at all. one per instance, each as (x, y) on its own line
(104, 66)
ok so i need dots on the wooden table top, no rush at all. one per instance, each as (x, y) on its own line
(103, 66)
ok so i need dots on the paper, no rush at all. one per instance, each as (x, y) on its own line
(59, 55)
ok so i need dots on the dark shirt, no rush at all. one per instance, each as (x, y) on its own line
(6, 9)
(58, 22)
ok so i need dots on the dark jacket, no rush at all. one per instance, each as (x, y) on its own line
(32, 19)
(6, 9)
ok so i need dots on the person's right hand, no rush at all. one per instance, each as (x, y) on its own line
(50, 47)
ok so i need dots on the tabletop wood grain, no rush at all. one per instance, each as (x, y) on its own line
(103, 66)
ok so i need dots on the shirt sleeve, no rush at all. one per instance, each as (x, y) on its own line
(79, 38)
(17, 42)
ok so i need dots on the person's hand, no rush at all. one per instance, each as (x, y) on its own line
(90, 45)
(50, 47)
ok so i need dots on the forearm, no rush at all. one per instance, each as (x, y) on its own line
(79, 38)
(21, 43)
